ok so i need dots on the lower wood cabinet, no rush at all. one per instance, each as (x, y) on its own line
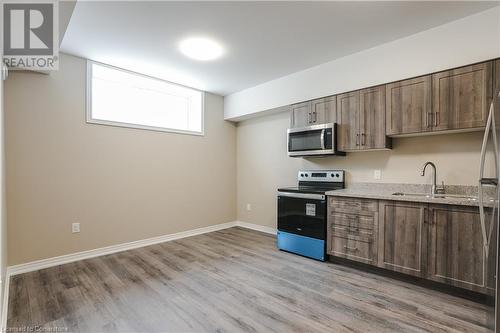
(455, 251)
(443, 243)
(403, 236)
(352, 229)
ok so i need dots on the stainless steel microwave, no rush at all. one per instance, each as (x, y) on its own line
(315, 140)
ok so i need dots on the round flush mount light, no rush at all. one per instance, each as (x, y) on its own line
(201, 48)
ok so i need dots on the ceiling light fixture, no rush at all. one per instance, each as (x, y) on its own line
(201, 48)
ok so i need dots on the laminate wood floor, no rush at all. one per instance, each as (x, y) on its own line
(234, 280)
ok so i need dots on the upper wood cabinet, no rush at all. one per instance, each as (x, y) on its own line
(348, 119)
(361, 117)
(372, 119)
(409, 106)
(456, 99)
(403, 237)
(301, 114)
(461, 97)
(318, 111)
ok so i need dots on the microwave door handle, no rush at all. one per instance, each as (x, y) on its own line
(322, 139)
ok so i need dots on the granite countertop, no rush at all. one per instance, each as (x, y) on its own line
(455, 194)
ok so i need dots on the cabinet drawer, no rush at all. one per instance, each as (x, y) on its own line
(353, 233)
(351, 248)
(353, 221)
(352, 205)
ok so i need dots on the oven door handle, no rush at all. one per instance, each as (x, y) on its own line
(312, 196)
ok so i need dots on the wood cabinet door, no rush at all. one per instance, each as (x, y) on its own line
(461, 97)
(372, 118)
(409, 106)
(301, 114)
(324, 110)
(456, 254)
(403, 237)
(348, 122)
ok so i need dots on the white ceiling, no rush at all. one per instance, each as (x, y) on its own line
(264, 40)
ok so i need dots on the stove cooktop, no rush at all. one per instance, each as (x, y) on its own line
(307, 189)
(317, 182)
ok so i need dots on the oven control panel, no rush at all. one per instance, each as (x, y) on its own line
(333, 176)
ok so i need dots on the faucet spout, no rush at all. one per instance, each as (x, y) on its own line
(434, 188)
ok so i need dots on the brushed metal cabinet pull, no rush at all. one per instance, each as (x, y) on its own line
(350, 248)
(429, 119)
(363, 139)
(357, 139)
(436, 118)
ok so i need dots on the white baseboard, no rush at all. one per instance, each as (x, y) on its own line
(257, 227)
(60, 260)
(64, 259)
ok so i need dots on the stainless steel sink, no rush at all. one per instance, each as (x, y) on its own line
(436, 196)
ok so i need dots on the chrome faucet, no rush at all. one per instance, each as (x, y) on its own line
(434, 189)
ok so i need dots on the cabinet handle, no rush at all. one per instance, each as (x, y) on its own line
(350, 248)
(363, 139)
(428, 119)
(315, 116)
(309, 117)
(436, 118)
(357, 139)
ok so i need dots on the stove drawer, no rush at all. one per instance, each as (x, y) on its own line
(353, 249)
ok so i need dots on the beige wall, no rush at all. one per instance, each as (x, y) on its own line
(121, 184)
(263, 164)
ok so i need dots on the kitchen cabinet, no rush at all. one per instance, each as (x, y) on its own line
(456, 255)
(300, 114)
(315, 112)
(362, 120)
(403, 237)
(437, 242)
(372, 119)
(348, 128)
(461, 97)
(409, 106)
(352, 228)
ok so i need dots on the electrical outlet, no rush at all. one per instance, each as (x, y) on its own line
(377, 174)
(75, 227)
(249, 207)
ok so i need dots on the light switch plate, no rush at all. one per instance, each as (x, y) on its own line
(377, 174)
(75, 227)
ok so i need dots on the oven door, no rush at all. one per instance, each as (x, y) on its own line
(312, 140)
(302, 214)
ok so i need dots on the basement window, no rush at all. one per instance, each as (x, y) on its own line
(118, 97)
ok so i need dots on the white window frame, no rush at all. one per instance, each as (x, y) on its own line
(88, 108)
